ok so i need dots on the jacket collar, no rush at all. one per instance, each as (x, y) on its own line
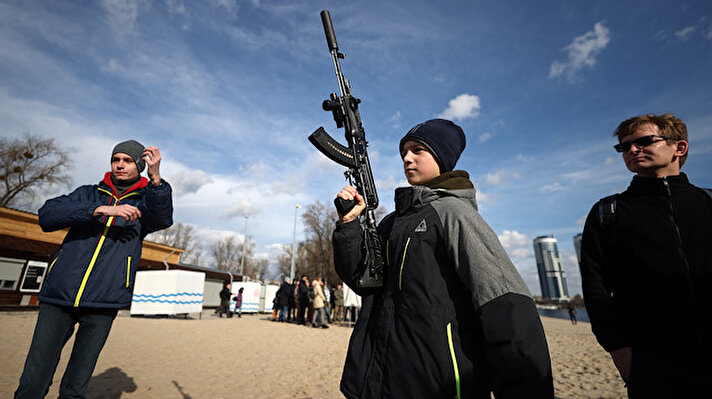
(450, 184)
(656, 185)
(141, 183)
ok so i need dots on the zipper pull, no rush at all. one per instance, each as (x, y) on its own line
(667, 187)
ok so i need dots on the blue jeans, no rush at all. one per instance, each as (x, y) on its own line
(55, 325)
(283, 311)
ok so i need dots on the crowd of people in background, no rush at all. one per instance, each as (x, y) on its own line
(304, 302)
(314, 303)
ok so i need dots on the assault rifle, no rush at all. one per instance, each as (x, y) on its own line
(344, 108)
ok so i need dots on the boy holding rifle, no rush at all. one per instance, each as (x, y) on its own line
(453, 317)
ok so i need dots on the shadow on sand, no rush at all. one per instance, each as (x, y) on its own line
(110, 384)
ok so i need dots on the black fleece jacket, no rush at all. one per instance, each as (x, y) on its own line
(647, 274)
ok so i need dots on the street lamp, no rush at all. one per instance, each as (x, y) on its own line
(244, 243)
(294, 243)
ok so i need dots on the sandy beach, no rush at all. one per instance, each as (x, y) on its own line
(253, 357)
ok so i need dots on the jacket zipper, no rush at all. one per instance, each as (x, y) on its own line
(400, 273)
(455, 368)
(388, 257)
(128, 272)
(678, 237)
(95, 256)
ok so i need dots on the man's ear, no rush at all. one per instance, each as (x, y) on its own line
(682, 147)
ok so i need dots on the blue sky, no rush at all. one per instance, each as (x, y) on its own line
(230, 90)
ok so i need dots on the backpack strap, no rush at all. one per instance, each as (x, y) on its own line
(607, 217)
(607, 209)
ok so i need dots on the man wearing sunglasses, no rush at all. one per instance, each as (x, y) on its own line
(646, 266)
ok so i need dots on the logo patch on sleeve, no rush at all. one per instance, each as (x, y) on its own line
(422, 227)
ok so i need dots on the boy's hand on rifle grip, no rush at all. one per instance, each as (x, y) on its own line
(349, 193)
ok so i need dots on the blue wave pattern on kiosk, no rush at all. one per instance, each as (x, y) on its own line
(157, 298)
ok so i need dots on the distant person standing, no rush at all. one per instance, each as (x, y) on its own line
(572, 313)
(292, 313)
(225, 294)
(318, 302)
(339, 303)
(327, 301)
(238, 302)
(646, 266)
(283, 294)
(92, 275)
(303, 300)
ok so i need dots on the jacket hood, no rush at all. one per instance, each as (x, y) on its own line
(451, 184)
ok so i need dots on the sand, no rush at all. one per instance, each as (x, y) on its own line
(253, 357)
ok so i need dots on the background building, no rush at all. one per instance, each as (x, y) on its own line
(577, 246)
(551, 274)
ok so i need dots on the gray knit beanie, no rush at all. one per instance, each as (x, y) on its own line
(134, 149)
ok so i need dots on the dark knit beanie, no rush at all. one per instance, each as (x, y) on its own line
(134, 149)
(444, 139)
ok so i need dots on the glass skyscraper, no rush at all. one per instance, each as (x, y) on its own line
(552, 277)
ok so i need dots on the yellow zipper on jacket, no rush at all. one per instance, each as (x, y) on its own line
(454, 359)
(93, 259)
(400, 273)
(98, 247)
(128, 272)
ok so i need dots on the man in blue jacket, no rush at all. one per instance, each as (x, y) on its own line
(92, 275)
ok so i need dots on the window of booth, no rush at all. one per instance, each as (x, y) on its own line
(10, 272)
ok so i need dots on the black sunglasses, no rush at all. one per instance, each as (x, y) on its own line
(640, 142)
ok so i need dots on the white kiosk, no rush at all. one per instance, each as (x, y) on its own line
(267, 300)
(167, 292)
(250, 296)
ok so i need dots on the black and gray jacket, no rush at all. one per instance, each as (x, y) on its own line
(454, 318)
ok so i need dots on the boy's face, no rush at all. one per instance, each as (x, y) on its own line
(419, 164)
(123, 167)
(658, 159)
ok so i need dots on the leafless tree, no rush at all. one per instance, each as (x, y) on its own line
(29, 163)
(182, 236)
(228, 254)
(259, 268)
(317, 258)
(284, 261)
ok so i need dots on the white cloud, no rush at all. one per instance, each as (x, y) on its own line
(122, 15)
(189, 182)
(485, 136)
(230, 6)
(494, 178)
(685, 33)
(463, 106)
(482, 198)
(582, 52)
(521, 253)
(512, 239)
(520, 250)
(390, 183)
(549, 188)
(395, 120)
(242, 208)
(581, 221)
